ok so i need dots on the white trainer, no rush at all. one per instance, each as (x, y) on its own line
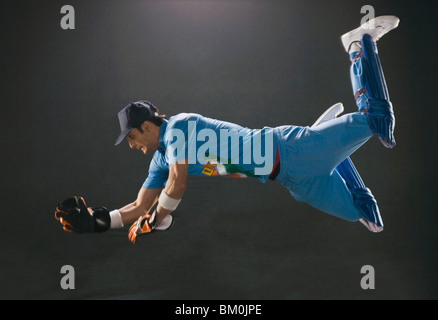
(331, 113)
(371, 226)
(376, 28)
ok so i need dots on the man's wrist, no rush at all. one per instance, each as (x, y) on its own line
(116, 219)
(168, 203)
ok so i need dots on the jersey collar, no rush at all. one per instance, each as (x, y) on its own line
(163, 127)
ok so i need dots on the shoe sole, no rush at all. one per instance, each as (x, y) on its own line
(376, 28)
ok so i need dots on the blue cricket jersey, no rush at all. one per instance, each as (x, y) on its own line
(212, 148)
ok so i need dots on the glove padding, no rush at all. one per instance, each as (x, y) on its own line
(148, 223)
(75, 217)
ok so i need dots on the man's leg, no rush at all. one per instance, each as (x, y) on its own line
(329, 194)
(363, 199)
(316, 152)
(322, 148)
(367, 78)
(333, 141)
(314, 169)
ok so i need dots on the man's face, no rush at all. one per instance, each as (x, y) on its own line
(146, 141)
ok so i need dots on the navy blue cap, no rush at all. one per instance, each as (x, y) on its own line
(133, 116)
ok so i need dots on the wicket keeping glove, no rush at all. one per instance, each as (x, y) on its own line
(147, 223)
(75, 217)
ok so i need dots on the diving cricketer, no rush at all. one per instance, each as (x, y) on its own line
(313, 163)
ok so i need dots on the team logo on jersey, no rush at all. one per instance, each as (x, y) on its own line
(214, 168)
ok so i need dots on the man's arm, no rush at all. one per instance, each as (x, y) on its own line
(168, 200)
(146, 199)
(76, 217)
(175, 186)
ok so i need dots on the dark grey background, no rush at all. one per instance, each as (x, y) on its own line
(256, 63)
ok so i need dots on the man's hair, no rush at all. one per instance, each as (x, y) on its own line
(157, 119)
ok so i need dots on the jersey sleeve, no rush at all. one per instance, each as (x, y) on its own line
(180, 137)
(158, 172)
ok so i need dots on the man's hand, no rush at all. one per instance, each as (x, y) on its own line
(75, 217)
(73, 214)
(144, 224)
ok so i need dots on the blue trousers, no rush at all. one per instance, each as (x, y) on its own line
(309, 156)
